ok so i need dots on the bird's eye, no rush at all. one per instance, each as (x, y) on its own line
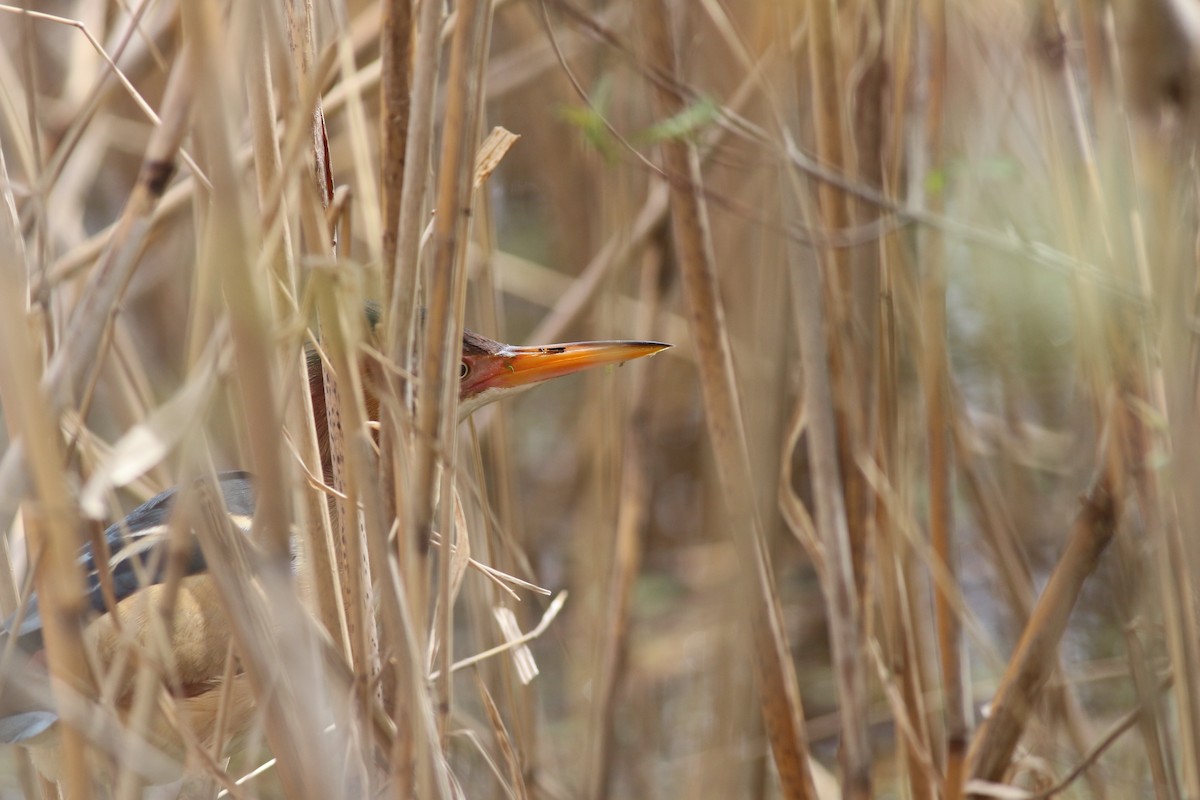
(463, 370)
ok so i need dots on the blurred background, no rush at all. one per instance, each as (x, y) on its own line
(929, 270)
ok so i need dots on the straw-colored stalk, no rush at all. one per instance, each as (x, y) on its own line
(627, 554)
(411, 761)
(437, 395)
(782, 712)
(938, 410)
(50, 522)
(844, 362)
(1037, 652)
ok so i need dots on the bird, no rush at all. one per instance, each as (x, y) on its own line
(488, 371)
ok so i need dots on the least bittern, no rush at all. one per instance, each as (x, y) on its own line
(200, 635)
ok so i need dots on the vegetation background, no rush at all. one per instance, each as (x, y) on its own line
(909, 510)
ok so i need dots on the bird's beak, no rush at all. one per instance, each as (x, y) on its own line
(511, 369)
(525, 366)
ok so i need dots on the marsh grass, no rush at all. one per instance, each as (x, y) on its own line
(906, 511)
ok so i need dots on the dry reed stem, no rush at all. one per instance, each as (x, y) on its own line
(1150, 718)
(847, 355)
(348, 550)
(401, 322)
(939, 417)
(410, 760)
(12, 251)
(1156, 497)
(351, 475)
(903, 628)
(872, 126)
(1036, 653)
(349, 554)
(837, 575)
(437, 395)
(227, 251)
(628, 542)
(50, 522)
(396, 37)
(413, 204)
(781, 708)
(396, 49)
(316, 570)
(835, 378)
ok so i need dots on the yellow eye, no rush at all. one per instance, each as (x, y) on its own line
(463, 370)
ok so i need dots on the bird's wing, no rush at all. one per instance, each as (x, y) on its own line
(135, 558)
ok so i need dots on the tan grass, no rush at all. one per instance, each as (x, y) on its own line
(918, 476)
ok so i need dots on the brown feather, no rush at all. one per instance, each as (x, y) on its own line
(200, 633)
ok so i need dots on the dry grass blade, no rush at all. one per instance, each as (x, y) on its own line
(500, 579)
(516, 783)
(491, 153)
(516, 641)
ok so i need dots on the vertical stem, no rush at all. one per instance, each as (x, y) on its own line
(836, 364)
(51, 520)
(903, 627)
(627, 547)
(410, 759)
(939, 421)
(782, 713)
(395, 45)
(1036, 654)
(437, 397)
(846, 340)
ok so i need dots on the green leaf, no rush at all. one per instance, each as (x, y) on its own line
(687, 122)
(589, 119)
(935, 181)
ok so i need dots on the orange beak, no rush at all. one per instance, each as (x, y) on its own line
(511, 369)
